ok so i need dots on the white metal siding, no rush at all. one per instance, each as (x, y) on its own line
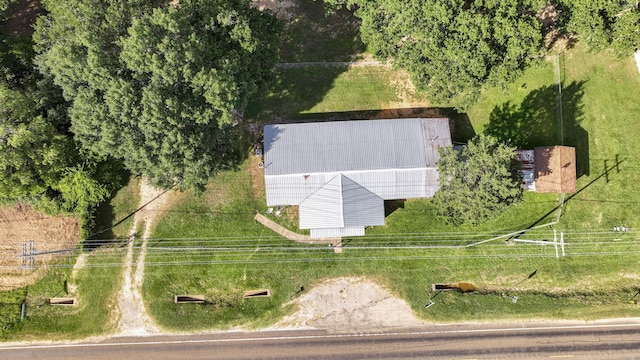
(388, 184)
(337, 232)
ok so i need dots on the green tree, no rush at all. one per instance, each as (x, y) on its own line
(34, 152)
(161, 87)
(477, 183)
(452, 47)
(80, 191)
(605, 23)
(4, 4)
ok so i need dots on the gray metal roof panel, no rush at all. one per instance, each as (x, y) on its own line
(360, 206)
(341, 202)
(353, 145)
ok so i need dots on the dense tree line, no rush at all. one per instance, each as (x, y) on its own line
(454, 48)
(603, 24)
(155, 86)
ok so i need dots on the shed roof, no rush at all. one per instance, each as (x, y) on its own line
(555, 168)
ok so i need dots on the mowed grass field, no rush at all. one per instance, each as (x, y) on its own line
(210, 244)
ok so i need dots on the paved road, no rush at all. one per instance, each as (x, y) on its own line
(620, 341)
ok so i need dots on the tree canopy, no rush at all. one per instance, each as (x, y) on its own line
(605, 23)
(452, 47)
(159, 86)
(34, 152)
(477, 183)
(4, 4)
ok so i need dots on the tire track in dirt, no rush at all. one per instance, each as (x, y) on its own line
(134, 320)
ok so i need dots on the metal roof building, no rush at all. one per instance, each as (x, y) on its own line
(340, 173)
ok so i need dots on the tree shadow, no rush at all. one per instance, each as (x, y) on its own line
(105, 236)
(312, 34)
(20, 17)
(543, 120)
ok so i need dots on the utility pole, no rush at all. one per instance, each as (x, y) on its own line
(28, 255)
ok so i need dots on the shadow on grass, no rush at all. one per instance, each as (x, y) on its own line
(605, 174)
(294, 91)
(537, 122)
(310, 36)
(459, 123)
(106, 222)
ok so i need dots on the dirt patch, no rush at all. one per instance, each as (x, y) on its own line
(23, 16)
(407, 95)
(256, 171)
(134, 319)
(350, 305)
(18, 226)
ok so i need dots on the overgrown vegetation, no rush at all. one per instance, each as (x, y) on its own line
(41, 163)
(157, 86)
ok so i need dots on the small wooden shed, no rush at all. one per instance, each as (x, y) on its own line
(555, 169)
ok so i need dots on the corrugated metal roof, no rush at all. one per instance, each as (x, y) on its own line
(341, 202)
(353, 145)
(339, 173)
(336, 232)
(323, 208)
(360, 206)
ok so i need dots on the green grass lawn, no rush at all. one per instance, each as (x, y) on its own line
(97, 286)
(600, 115)
(210, 245)
(115, 216)
(98, 283)
(301, 93)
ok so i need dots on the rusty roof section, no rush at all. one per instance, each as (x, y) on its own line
(555, 169)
